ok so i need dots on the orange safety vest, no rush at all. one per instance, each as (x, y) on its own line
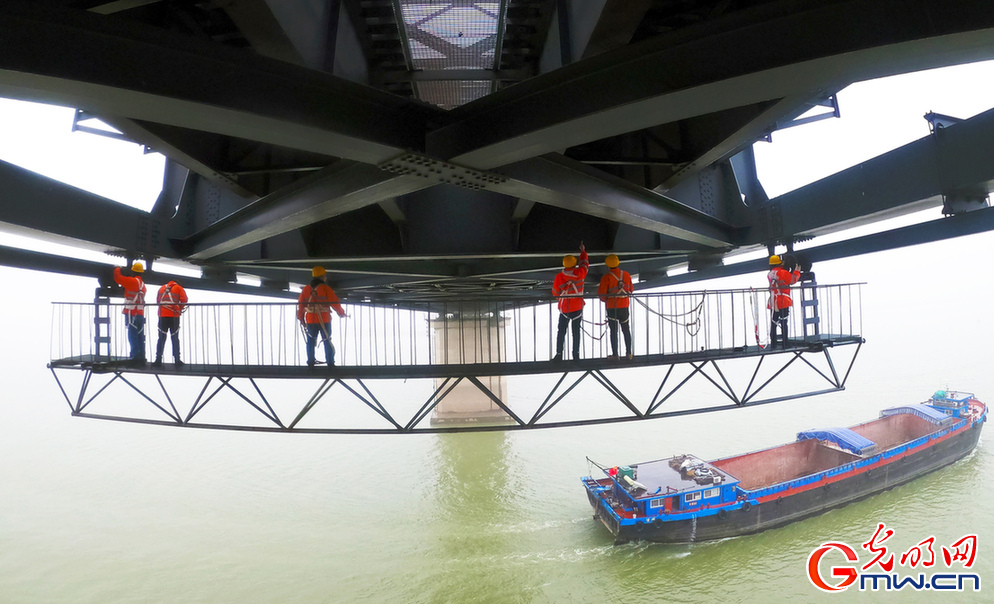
(615, 287)
(569, 282)
(780, 281)
(315, 303)
(172, 300)
(134, 293)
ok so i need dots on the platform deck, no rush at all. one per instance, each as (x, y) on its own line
(104, 365)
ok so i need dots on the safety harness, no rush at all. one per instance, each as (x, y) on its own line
(616, 291)
(316, 305)
(573, 286)
(776, 289)
(134, 301)
(170, 301)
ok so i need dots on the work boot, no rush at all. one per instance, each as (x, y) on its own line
(179, 363)
(157, 362)
(558, 357)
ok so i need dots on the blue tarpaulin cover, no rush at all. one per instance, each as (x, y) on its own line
(844, 437)
(925, 412)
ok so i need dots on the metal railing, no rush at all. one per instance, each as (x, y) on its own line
(458, 332)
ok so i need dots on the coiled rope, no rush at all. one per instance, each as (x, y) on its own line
(693, 326)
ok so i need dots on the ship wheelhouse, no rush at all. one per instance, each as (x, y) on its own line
(678, 484)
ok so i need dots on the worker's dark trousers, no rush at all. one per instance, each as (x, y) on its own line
(168, 325)
(136, 336)
(564, 318)
(615, 317)
(779, 317)
(323, 331)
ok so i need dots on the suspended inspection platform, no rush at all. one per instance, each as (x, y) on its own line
(457, 365)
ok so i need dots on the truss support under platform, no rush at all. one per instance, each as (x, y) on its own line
(623, 402)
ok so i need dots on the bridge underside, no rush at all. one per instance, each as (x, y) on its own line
(375, 138)
(341, 399)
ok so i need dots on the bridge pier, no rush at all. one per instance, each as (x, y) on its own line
(470, 338)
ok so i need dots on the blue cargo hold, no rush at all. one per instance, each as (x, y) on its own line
(843, 437)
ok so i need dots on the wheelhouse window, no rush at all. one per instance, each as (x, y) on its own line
(692, 497)
(712, 493)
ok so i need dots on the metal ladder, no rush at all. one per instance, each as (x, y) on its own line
(809, 300)
(101, 324)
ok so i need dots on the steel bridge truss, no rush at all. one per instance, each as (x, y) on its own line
(703, 369)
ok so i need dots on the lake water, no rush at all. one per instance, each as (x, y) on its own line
(97, 512)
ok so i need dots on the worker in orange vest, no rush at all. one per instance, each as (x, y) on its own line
(172, 302)
(568, 287)
(134, 310)
(780, 278)
(314, 313)
(614, 289)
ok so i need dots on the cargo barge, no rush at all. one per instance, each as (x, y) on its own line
(684, 499)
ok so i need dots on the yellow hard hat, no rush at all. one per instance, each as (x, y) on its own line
(137, 267)
(612, 261)
(774, 260)
(318, 271)
(569, 261)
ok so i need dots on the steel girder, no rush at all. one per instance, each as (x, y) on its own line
(340, 188)
(51, 263)
(171, 87)
(913, 177)
(221, 90)
(743, 136)
(553, 180)
(969, 223)
(66, 214)
(558, 181)
(118, 68)
(691, 72)
(60, 213)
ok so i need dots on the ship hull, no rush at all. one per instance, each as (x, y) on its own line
(792, 503)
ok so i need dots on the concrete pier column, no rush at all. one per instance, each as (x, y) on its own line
(467, 339)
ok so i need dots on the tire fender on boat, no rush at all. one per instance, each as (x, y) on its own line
(746, 506)
(722, 514)
(639, 526)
